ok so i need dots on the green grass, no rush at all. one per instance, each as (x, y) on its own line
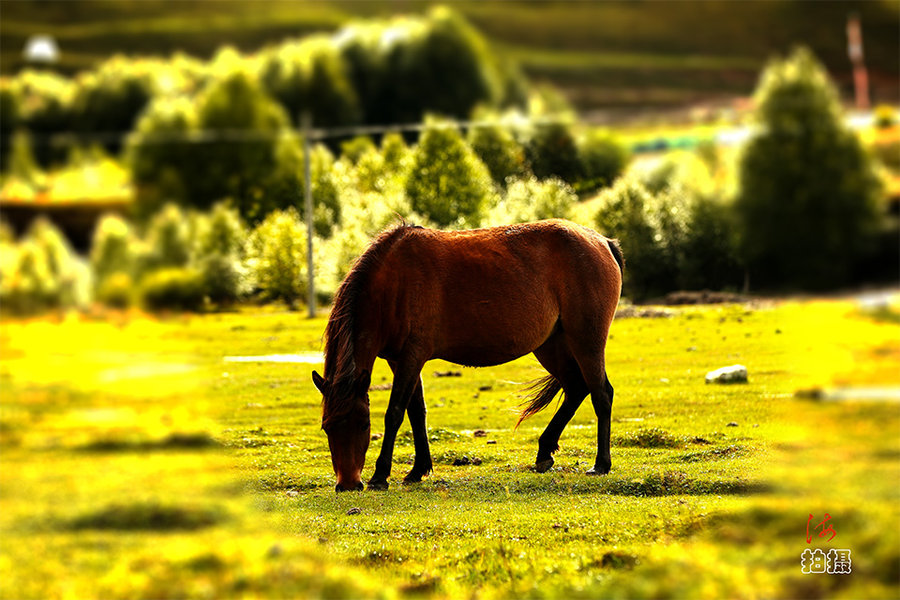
(137, 463)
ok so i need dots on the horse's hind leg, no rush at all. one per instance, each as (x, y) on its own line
(603, 408)
(589, 352)
(416, 413)
(555, 356)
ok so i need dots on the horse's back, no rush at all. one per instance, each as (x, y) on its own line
(487, 296)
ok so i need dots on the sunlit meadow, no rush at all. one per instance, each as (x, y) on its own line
(138, 463)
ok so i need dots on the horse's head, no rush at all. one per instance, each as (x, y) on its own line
(348, 432)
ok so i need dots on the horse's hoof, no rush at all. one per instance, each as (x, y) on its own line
(412, 477)
(597, 471)
(542, 466)
(377, 485)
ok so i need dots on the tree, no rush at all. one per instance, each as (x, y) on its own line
(552, 152)
(276, 256)
(447, 182)
(237, 156)
(497, 148)
(808, 193)
(603, 158)
(625, 213)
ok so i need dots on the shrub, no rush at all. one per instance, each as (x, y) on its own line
(885, 116)
(286, 188)
(161, 159)
(41, 272)
(624, 214)
(409, 66)
(532, 200)
(276, 256)
(60, 261)
(113, 248)
(808, 197)
(202, 171)
(310, 74)
(353, 149)
(168, 239)
(116, 291)
(552, 152)
(499, 151)
(709, 258)
(46, 109)
(220, 255)
(223, 232)
(447, 183)
(111, 97)
(603, 158)
(27, 287)
(9, 120)
(224, 277)
(172, 289)
(394, 151)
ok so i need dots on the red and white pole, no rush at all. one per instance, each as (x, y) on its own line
(855, 51)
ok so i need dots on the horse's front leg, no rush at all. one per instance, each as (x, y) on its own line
(416, 411)
(406, 379)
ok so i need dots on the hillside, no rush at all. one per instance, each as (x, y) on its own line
(602, 55)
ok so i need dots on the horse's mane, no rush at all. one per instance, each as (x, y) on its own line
(340, 366)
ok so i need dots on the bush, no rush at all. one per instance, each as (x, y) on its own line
(808, 197)
(223, 232)
(116, 291)
(168, 239)
(448, 184)
(172, 289)
(354, 149)
(224, 277)
(41, 272)
(45, 100)
(113, 249)
(532, 200)
(885, 116)
(203, 171)
(286, 189)
(499, 151)
(394, 151)
(409, 66)
(625, 214)
(709, 258)
(552, 152)
(220, 254)
(603, 158)
(9, 120)
(311, 75)
(111, 97)
(276, 256)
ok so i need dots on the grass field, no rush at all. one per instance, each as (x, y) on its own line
(136, 463)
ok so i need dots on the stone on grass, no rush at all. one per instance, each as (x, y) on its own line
(732, 374)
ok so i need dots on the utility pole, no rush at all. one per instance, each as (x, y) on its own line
(855, 51)
(307, 194)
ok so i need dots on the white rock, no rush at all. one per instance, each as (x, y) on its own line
(732, 374)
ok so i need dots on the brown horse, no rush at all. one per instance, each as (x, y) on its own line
(476, 298)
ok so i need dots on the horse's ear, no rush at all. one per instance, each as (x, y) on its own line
(362, 384)
(319, 382)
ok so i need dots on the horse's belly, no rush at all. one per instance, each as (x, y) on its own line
(479, 357)
(493, 343)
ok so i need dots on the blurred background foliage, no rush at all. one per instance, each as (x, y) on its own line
(184, 149)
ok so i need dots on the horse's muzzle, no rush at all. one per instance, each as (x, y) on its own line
(356, 488)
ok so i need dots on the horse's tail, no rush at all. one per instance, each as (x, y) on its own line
(542, 393)
(617, 254)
